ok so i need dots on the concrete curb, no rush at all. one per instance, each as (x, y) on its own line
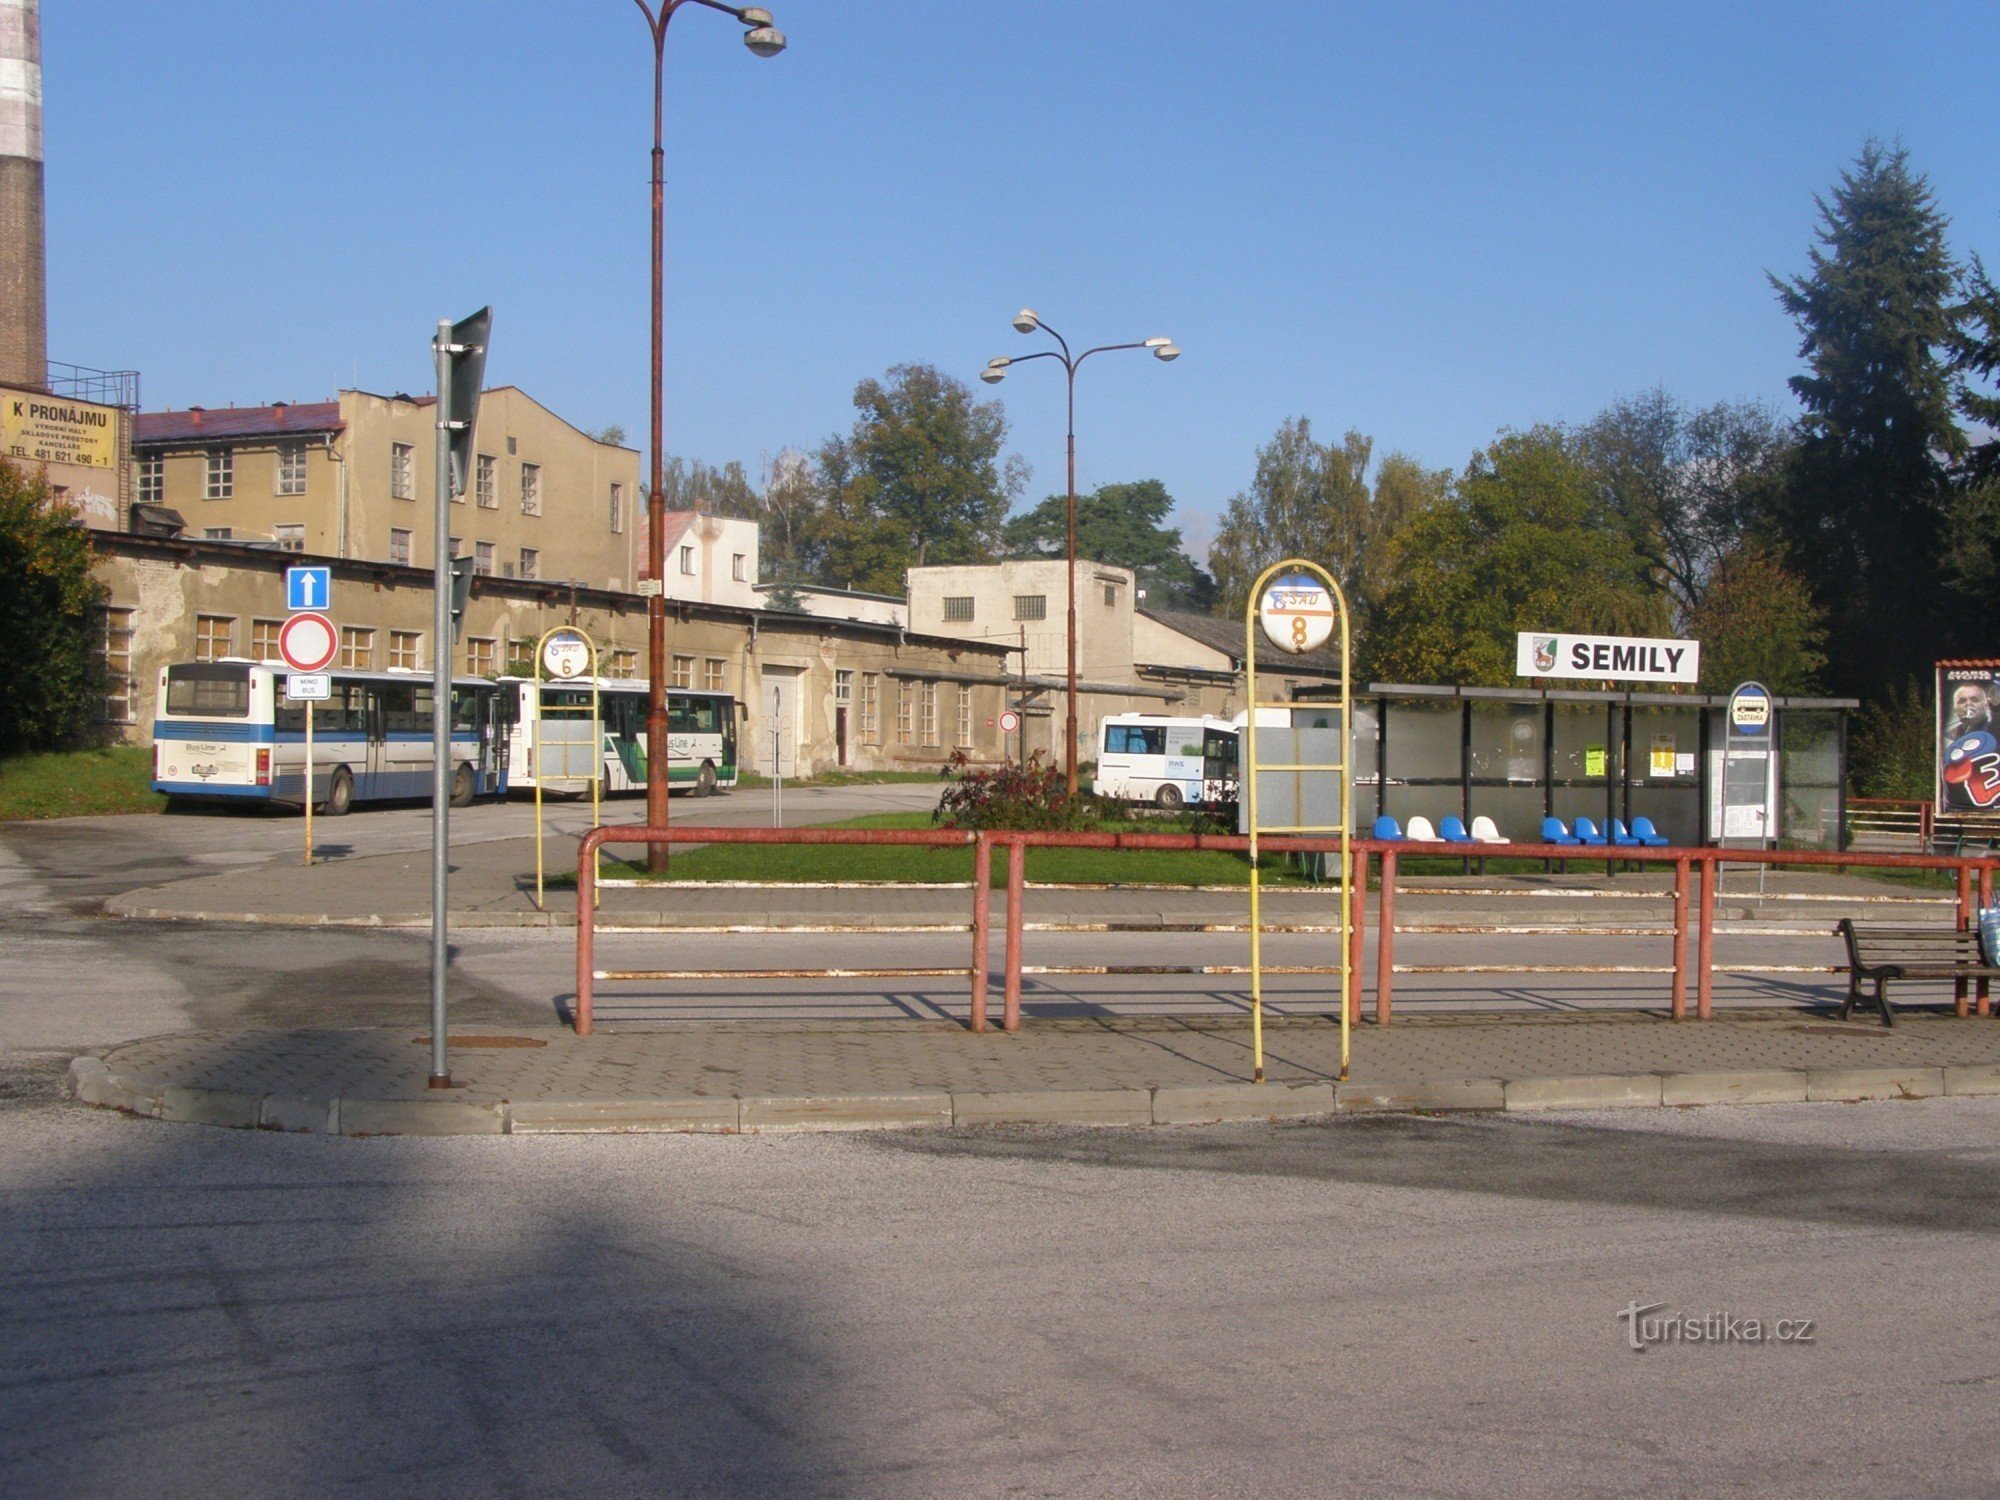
(92, 1081)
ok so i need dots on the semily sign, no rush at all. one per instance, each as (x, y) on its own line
(1606, 658)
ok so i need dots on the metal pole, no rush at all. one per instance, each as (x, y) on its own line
(657, 812)
(309, 781)
(440, 709)
(1069, 721)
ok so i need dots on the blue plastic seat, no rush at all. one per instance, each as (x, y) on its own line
(1554, 832)
(1620, 837)
(1586, 833)
(1644, 831)
(1452, 831)
(1387, 827)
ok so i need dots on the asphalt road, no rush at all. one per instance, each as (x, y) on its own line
(1386, 1306)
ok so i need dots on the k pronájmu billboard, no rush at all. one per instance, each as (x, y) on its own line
(38, 429)
(1968, 748)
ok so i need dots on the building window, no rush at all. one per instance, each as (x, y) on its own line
(405, 649)
(906, 732)
(482, 559)
(357, 647)
(216, 533)
(221, 481)
(264, 640)
(402, 471)
(843, 686)
(520, 656)
(1110, 596)
(927, 699)
(454, 546)
(617, 508)
(713, 674)
(399, 545)
(1031, 606)
(687, 561)
(484, 485)
(964, 716)
(531, 563)
(214, 637)
(479, 653)
(152, 478)
(682, 676)
(531, 489)
(291, 468)
(957, 609)
(118, 630)
(624, 664)
(513, 447)
(871, 706)
(290, 536)
(739, 567)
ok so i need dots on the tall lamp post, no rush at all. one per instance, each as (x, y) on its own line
(766, 41)
(1027, 320)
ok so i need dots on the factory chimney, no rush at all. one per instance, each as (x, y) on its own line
(24, 312)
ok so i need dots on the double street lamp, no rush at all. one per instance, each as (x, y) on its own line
(762, 38)
(1027, 320)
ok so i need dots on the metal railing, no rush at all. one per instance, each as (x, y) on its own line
(1696, 882)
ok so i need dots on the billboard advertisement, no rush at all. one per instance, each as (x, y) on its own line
(56, 430)
(1968, 748)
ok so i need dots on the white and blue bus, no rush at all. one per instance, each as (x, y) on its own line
(1168, 761)
(701, 732)
(223, 731)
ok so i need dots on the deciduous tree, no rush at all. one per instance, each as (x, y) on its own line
(53, 689)
(1524, 542)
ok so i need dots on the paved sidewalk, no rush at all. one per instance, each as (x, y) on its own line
(748, 1076)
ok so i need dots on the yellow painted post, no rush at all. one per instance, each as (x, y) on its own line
(589, 668)
(1300, 636)
(309, 779)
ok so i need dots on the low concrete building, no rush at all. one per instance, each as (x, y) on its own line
(816, 693)
(1129, 659)
(835, 604)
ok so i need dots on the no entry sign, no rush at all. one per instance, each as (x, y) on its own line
(308, 642)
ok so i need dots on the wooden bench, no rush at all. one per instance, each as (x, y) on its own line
(1880, 954)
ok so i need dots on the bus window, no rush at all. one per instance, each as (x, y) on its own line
(466, 706)
(209, 690)
(1135, 739)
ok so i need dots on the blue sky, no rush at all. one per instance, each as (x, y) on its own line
(1426, 221)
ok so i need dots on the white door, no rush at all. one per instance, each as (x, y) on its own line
(778, 735)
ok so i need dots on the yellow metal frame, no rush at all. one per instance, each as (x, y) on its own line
(1249, 769)
(542, 777)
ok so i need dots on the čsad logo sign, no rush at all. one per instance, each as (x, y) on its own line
(1296, 612)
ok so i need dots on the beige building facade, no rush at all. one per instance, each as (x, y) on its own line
(354, 478)
(814, 694)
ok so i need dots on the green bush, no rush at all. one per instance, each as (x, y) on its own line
(52, 693)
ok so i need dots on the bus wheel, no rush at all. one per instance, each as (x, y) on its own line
(704, 780)
(1168, 797)
(462, 787)
(339, 794)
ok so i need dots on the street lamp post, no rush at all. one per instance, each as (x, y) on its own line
(1027, 320)
(766, 41)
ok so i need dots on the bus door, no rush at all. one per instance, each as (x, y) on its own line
(1219, 749)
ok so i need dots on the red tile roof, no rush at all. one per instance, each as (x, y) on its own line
(198, 425)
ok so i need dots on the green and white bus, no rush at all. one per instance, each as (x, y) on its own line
(701, 732)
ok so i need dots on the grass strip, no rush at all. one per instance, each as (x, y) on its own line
(78, 783)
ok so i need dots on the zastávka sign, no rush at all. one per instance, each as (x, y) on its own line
(1606, 658)
(54, 430)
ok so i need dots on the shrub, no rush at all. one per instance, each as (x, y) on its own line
(52, 692)
(1032, 797)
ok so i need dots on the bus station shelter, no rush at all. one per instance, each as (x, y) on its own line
(1519, 755)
